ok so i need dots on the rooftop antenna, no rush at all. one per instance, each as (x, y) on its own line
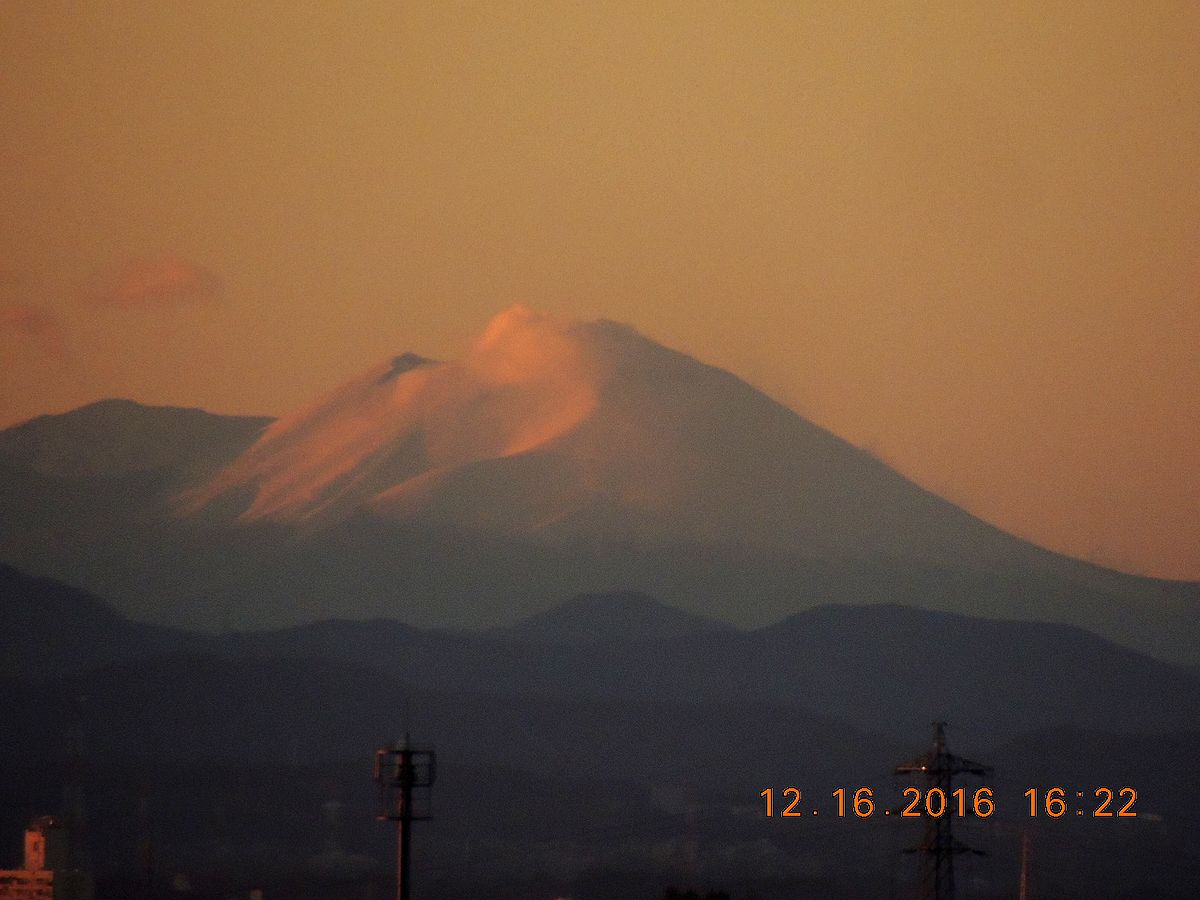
(938, 845)
(404, 773)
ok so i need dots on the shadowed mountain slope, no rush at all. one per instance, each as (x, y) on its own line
(603, 618)
(880, 668)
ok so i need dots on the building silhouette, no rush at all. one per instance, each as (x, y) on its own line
(48, 871)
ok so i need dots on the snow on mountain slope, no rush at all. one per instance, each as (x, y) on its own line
(526, 381)
(588, 432)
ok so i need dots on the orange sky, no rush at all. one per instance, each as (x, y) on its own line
(967, 238)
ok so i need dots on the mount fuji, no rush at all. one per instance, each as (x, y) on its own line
(555, 458)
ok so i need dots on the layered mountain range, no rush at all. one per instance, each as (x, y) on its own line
(610, 734)
(555, 458)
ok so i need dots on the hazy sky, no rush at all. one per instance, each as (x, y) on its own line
(966, 236)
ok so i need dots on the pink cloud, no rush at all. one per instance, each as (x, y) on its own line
(165, 280)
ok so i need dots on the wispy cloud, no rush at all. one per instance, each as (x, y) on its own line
(159, 281)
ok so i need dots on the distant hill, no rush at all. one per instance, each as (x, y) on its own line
(602, 618)
(884, 669)
(888, 664)
(120, 437)
(48, 628)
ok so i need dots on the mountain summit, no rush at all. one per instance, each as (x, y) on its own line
(564, 431)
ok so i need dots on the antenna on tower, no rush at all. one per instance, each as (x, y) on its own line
(938, 845)
(402, 771)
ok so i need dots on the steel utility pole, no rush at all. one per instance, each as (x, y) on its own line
(404, 773)
(938, 845)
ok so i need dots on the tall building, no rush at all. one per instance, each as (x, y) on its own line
(48, 872)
